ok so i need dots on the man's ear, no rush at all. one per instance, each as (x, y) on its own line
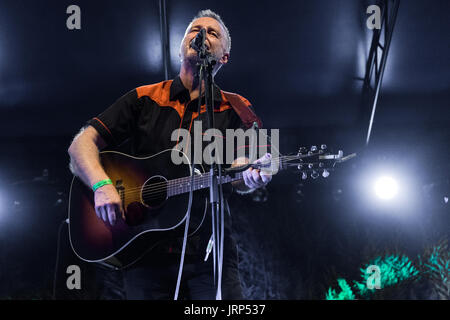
(225, 58)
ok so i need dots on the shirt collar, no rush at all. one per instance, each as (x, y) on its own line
(179, 92)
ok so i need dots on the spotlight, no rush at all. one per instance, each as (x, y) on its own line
(386, 188)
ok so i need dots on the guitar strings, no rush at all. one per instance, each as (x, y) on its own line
(162, 187)
(155, 194)
(177, 181)
(152, 192)
(284, 159)
(157, 189)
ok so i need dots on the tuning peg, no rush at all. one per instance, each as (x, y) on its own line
(300, 167)
(325, 173)
(313, 148)
(304, 176)
(321, 164)
(310, 165)
(314, 174)
(323, 146)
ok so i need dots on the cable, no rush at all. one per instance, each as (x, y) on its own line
(186, 229)
(58, 243)
(188, 214)
(218, 235)
(255, 125)
(222, 231)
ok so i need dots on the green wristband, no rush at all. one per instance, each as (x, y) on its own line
(101, 184)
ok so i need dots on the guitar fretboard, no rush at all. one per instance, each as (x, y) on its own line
(183, 185)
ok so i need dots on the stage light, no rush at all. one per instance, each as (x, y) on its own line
(3, 208)
(153, 50)
(176, 34)
(386, 188)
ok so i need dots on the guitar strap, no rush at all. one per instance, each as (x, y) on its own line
(244, 111)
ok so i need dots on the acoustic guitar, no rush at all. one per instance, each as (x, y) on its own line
(155, 197)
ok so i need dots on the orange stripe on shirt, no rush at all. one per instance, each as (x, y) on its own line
(103, 125)
(160, 93)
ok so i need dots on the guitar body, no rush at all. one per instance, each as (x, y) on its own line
(155, 199)
(152, 214)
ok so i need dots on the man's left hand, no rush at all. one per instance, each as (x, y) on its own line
(255, 178)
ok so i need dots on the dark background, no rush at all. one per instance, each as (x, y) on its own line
(299, 64)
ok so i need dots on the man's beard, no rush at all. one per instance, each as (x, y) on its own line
(194, 59)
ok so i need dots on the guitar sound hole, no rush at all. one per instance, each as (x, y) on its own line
(154, 192)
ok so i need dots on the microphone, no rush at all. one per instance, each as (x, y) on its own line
(198, 43)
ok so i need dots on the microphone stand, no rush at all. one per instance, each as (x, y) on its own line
(205, 74)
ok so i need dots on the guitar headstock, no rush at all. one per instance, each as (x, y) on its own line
(315, 161)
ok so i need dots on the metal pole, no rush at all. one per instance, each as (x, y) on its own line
(389, 25)
(164, 28)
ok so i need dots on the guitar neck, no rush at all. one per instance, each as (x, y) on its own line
(202, 181)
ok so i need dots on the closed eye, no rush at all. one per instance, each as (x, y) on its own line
(214, 33)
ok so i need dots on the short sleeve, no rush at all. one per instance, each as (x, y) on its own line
(116, 124)
(249, 145)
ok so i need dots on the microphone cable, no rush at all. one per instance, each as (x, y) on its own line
(58, 248)
(188, 214)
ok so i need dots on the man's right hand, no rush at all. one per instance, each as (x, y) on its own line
(108, 205)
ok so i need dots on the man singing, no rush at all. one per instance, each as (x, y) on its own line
(145, 119)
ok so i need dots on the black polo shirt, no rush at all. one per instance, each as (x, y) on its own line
(147, 116)
(144, 119)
